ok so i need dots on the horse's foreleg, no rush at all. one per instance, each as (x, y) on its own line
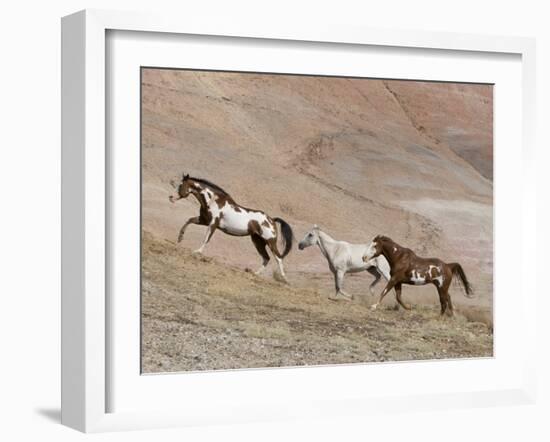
(391, 283)
(339, 281)
(449, 304)
(260, 244)
(194, 220)
(209, 232)
(398, 297)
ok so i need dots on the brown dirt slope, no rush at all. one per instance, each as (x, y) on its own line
(199, 314)
(358, 157)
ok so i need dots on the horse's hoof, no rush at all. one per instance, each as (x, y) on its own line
(373, 306)
(280, 278)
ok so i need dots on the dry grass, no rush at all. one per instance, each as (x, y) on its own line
(198, 314)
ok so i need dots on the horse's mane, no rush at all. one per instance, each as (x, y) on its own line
(387, 239)
(209, 184)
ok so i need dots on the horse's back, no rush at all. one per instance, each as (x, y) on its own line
(237, 221)
(429, 261)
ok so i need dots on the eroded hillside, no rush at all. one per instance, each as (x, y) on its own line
(411, 160)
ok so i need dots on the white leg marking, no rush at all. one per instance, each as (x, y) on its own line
(209, 233)
(261, 269)
(345, 294)
(281, 268)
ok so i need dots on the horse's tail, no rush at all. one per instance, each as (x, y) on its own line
(458, 271)
(287, 235)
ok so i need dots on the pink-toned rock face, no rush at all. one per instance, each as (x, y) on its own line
(412, 160)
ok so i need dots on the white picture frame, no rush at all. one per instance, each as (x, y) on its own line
(86, 316)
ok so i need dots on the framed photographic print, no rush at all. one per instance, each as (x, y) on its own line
(275, 223)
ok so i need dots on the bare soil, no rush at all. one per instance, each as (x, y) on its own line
(199, 314)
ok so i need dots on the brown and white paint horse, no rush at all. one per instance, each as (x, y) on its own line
(408, 268)
(219, 211)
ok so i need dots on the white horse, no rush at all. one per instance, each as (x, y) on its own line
(344, 257)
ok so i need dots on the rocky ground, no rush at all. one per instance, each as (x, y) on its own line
(199, 314)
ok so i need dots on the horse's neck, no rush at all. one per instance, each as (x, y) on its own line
(326, 244)
(202, 196)
(389, 253)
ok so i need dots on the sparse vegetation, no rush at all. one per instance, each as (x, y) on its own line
(199, 314)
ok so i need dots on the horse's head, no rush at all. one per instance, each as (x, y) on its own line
(311, 238)
(183, 189)
(374, 249)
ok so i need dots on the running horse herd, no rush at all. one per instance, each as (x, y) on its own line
(381, 258)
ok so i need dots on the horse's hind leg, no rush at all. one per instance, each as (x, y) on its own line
(450, 304)
(272, 244)
(377, 275)
(445, 291)
(260, 244)
(443, 298)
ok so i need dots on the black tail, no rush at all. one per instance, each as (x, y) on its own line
(288, 236)
(458, 271)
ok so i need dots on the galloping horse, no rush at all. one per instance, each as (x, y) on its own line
(407, 268)
(344, 257)
(219, 211)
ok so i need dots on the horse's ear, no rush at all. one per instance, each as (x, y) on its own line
(315, 226)
(185, 177)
